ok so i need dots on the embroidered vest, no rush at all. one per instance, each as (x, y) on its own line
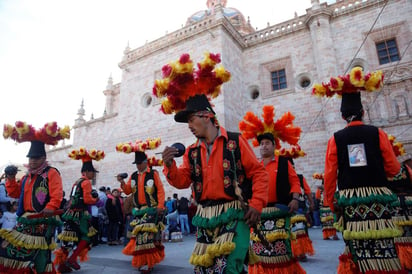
(282, 182)
(232, 169)
(401, 183)
(40, 190)
(150, 190)
(76, 196)
(360, 162)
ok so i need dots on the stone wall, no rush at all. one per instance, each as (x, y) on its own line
(322, 43)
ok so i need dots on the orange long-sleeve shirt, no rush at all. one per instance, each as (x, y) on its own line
(390, 163)
(55, 190)
(86, 185)
(272, 169)
(306, 188)
(318, 194)
(127, 188)
(212, 172)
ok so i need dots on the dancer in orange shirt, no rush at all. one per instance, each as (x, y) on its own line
(148, 206)
(274, 251)
(78, 230)
(229, 184)
(359, 159)
(40, 193)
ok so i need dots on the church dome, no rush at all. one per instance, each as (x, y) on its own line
(233, 15)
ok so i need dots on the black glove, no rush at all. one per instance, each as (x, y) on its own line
(95, 194)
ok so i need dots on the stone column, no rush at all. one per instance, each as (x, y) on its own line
(318, 22)
(108, 92)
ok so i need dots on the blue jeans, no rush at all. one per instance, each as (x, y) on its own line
(316, 218)
(184, 224)
(129, 219)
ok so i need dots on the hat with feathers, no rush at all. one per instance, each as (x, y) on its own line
(87, 156)
(49, 134)
(139, 147)
(282, 129)
(184, 89)
(349, 87)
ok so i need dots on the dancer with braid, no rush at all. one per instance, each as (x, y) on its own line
(78, 229)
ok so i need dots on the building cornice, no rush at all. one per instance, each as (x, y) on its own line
(209, 24)
(92, 121)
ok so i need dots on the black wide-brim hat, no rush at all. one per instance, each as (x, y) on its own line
(351, 104)
(193, 105)
(266, 135)
(37, 150)
(139, 157)
(88, 166)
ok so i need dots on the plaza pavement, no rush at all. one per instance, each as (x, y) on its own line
(104, 259)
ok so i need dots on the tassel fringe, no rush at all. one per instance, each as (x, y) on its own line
(149, 257)
(328, 232)
(60, 256)
(27, 241)
(302, 246)
(68, 236)
(130, 248)
(404, 251)
(346, 265)
(277, 268)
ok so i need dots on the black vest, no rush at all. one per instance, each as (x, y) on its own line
(401, 183)
(231, 161)
(40, 190)
(149, 202)
(371, 174)
(76, 196)
(282, 182)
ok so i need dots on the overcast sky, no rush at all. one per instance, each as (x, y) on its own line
(55, 53)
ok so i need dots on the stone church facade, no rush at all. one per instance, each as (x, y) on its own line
(326, 41)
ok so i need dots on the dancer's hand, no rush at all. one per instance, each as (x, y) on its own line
(47, 212)
(293, 205)
(168, 154)
(252, 217)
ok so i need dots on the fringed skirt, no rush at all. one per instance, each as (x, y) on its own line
(368, 231)
(77, 227)
(402, 217)
(27, 248)
(276, 256)
(300, 241)
(145, 244)
(222, 240)
(327, 218)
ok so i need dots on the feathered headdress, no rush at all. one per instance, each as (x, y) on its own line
(318, 176)
(396, 146)
(181, 81)
(292, 152)
(49, 134)
(86, 155)
(281, 130)
(153, 161)
(138, 145)
(353, 82)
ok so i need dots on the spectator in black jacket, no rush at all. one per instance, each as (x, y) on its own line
(114, 212)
